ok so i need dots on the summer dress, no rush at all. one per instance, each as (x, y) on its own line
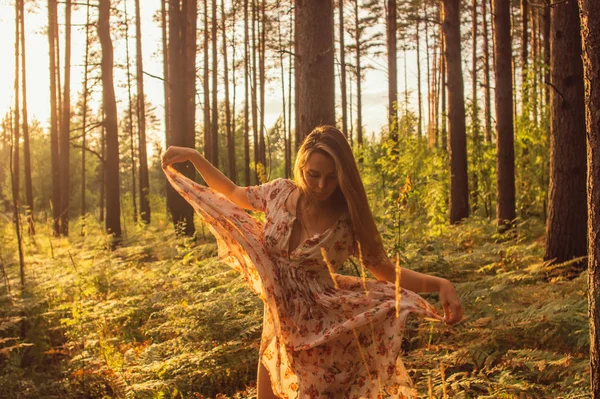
(318, 341)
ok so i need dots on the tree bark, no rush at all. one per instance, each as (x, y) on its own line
(113, 200)
(84, 110)
(229, 132)
(55, 156)
(475, 111)
(130, 117)
(486, 74)
(144, 185)
(261, 78)
(459, 185)
(314, 65)
(419, 95)
(64, 139)
(391, 25)
(505, 151)
(246, 97)
(254, 93)
(524, 53)
(26, 144)
(343, 67)
(566, 224)
(207, 115)
(359, 128)
(590, 35)
(16, 166)
(214, 126)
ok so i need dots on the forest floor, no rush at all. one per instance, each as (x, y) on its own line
(161, 317)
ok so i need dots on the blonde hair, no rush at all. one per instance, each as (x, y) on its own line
(351, 193)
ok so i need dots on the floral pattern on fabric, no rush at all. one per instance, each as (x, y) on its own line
(318, 341)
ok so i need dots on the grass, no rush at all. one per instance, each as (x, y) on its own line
(161, 317)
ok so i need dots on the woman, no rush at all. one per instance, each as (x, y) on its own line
(325, 335)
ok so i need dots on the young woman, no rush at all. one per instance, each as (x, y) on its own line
(325, 335)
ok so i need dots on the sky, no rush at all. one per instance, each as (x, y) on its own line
(38, 92)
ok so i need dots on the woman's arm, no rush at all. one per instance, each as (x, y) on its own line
(211, 175)
(419, 282)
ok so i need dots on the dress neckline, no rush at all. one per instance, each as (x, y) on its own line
(293, 220)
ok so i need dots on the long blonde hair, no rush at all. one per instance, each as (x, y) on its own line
(351, 192)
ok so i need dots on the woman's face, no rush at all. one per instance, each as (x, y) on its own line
(320, 175)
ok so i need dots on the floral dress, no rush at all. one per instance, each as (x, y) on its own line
(325, 335)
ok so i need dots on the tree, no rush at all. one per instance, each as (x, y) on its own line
(130, 116)
(505, 151)
(64, 140)
(85, 106)
(231, 170)
(590, 26)
(486, 73)
(26, 146)
(343, 69)
(55, 156)
(141, 118)
(459, 187)
(566, 226)
(15, 153)
(214, 139)
(182, 72)
(314, 66)
(246, 99)
(113, 198)
(391, 28)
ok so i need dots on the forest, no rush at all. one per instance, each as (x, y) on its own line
(476, 130)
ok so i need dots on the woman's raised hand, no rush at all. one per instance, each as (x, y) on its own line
(176, 154)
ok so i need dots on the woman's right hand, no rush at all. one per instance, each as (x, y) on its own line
(175, 154)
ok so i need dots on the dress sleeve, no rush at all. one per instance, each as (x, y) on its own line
(259, 196)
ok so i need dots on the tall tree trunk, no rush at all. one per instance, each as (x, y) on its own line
(486, 74)
(84, 109)
(343, 66)
(566, 224)
(167, 85)
(419, 94)
(254, 93)
(286, 143)
(182, 70)
(246, 97)
(391, 25)
(55, 156)
(457, 137)
(590, 34)
(444, 113)
(357, 44)
(130, 117)
(290, 67)
(533, 75)
(17, 118)
(14, 149)
(314, 65)
(64, 139)
(524, 54)
(141, 121)
(113, 199)
(229, 132)
(475, 111)
(102, 170)
(261, 78)
(428, 71)
(505, 151)
(207, 122)
(546, 34)
(26, 146)
(214, 141)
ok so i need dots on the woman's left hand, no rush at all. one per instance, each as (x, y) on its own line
(453, 311)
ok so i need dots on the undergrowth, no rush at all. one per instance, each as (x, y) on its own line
(161, 317)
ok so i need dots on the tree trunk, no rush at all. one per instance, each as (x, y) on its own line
(505, 151)
(229, 132)
(182, 70)
(254, 92)
(546, 34)
(475, 111)
(359, 128)
(167, 85)
(65, 188)
(207, 121)
(590, 34)
(55, 161)
(459, 185)
(343, 67)
(261, 78)
(486, 74)
(214, 127)
(130, 116)
(314, 65)
(102, 170)
(444, 113)
(26, 146)
(524, 54)
(286, 143)
(13, 179)
(113, 200)
(141, 119)
(17, 118)
(419, 95)
(84, 108)
(428, 71)
(246, 97)
(391, 26)
(566, 224)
